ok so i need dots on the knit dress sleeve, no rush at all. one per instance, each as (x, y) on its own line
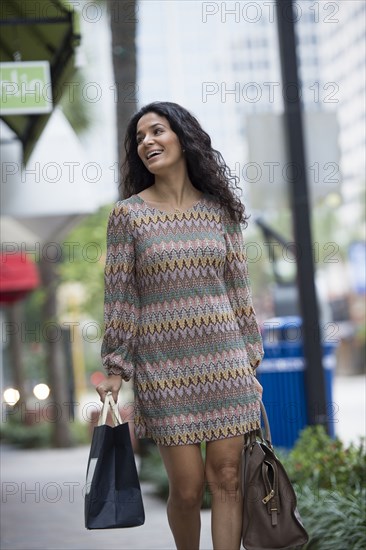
(239, 291)
(121, 299)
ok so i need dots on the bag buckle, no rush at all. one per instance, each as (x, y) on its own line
(268, 497)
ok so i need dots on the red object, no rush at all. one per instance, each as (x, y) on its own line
(18, 276)
(96, 378)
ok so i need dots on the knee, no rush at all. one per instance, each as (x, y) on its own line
(225, 476)
(186, 497)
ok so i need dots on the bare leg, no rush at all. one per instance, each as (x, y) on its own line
(185, 469)
(223, 476)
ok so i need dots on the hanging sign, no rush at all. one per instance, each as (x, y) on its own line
(25, 88)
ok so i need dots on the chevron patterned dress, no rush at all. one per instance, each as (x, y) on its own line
(179, 320)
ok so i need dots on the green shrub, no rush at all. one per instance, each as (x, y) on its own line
(334, 521)
(80, 433)
(26, 437)
(323, 462)
(39, 435)
(329, 483)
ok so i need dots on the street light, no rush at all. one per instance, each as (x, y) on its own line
(41, 391)
(11, 396)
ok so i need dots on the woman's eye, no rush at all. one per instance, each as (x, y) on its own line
(157, 131)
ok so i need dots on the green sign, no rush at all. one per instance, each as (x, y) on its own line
(25, 88)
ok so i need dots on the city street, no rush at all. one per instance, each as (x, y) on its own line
(42, 493)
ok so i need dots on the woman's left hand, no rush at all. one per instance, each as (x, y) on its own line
(259, 387)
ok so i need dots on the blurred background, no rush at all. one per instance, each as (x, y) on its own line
(62, 131)
(287, 112)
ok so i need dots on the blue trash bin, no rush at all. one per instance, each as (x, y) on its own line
(282, 375)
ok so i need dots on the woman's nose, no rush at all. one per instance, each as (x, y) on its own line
(148, 139)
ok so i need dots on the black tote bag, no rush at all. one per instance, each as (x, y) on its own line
(113, 495)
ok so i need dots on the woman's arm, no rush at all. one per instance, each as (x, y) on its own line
(239, 291)
(121, 303)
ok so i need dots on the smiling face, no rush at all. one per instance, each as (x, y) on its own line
(157, 145)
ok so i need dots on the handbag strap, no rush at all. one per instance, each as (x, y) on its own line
(267, 429)
(109, 403)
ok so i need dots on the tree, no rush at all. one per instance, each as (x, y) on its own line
(88, 267)
(123, 16)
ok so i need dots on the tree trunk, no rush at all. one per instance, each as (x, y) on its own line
(59, 410)
(15, 351)
(123, 18)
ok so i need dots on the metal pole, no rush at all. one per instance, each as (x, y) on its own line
(298, 189)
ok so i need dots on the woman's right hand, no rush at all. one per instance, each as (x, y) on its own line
(113, 384)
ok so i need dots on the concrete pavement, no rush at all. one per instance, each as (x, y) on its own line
(42, 507)
(42, 493)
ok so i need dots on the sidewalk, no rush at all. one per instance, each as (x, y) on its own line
(349, 407)
(43, 507)
(42, 493)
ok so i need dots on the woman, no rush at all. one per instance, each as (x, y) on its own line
(179, 317)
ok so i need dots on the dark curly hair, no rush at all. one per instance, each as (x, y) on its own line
(206, 167)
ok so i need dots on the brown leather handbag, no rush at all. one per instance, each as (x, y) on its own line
(271, 520)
